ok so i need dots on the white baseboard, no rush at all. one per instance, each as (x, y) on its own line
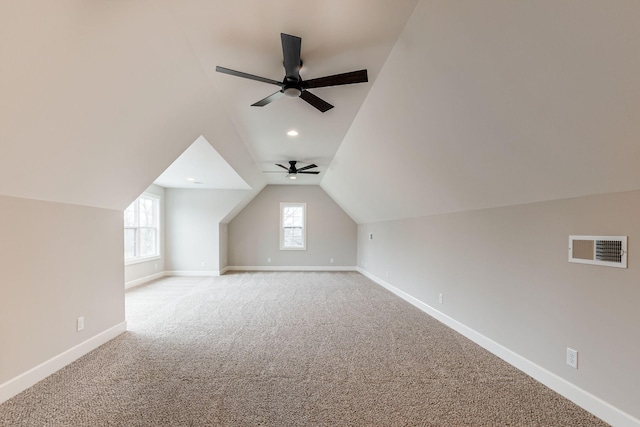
(43, 370)
(146, 279)
(143, 280)
(290, 268)
(582, 398)
(209, 273)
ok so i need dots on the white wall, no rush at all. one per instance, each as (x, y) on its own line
(254, 233)
(504, 273)
(58, 262)
(140, 272)
(192, 228)
(223, 235)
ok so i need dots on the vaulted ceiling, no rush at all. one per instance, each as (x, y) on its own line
(469, 104)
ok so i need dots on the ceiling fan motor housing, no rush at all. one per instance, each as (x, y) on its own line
(291, 88)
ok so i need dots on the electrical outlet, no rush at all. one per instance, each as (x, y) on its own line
(572, 357)
(331, 260)
(204, 264)
(80, 323)
(268, 260)
(386, 274)
(370, 236)
(440, 298)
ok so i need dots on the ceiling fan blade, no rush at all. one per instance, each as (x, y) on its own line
(311, 166)
(283, 167)
(247, 76)
(269, 99)
(273, 172)
(309, 172)
(337, 79)
(320, 104)
(291, 46)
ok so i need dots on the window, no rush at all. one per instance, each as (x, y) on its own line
(293, 226)
(142, 228)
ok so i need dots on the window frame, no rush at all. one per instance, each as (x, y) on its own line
(284, 205)
(158, 208)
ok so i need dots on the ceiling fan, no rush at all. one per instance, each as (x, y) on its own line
(292, 171)
(293, 85)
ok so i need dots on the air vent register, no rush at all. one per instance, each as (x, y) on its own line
(599, 250)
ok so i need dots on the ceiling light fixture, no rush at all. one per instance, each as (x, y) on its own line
(292, 132)
(191, 179)
(291, 176)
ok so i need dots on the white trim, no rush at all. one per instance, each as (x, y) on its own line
(141, 281)
(51, 366)
(209, 273)
(224, 270)
(580, 397)
(290, 268)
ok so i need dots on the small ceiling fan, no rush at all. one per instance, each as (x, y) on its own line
(292, 171)
(293, 85)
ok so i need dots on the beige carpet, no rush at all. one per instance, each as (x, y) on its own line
(286, 349)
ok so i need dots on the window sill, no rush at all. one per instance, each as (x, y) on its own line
(141, 260)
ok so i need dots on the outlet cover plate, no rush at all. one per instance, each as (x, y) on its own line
(572, 358)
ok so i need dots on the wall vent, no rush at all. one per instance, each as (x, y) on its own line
(599, 250)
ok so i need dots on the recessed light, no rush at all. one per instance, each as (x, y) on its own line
(292, 132)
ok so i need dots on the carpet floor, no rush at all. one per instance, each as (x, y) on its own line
(286, 349)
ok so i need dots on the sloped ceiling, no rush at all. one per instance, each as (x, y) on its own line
(491, 103)
(470, 104)
(99, 98)
(201, 167)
